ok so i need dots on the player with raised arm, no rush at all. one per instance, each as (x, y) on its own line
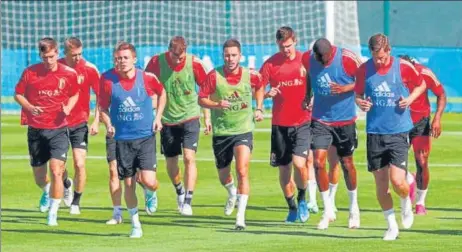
(331, 71)
(88, 76)
(126, 102)
(179, 72)
(420, 134)
(227, 91)
(47, 92)
(290, 130)
(382, 90)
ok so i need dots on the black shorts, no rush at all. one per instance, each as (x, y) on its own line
(344, 138)
(78, 136)
(135, 154)
(288, 141)
(175, 137)
(383, 150)
(110, 149)
(223, 147)
(45, 144)
(421, 128)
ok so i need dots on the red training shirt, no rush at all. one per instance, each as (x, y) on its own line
(48, 90)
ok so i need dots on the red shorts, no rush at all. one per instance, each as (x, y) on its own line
(420, 135)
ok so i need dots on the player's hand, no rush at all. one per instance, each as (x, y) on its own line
(364, 105)
(436, 128)
(157, 125)
(110, 131)
(224, 104)
(404, 102)
(336, 88)
(65, 109)
(138, 177)
(94, 128)
(307, 104)
(35, 110)
(208, 127)
(258, 115)
(273, 92)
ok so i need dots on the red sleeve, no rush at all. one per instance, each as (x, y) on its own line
(265, 72)
(153, 66)
(105, 92)
(411, 78)
(360, 79)
(351, 62)
(152, 84)
(306, 60)
(209, 85)
(93, 76)
(74, 86)
(199, 71)
(432, 82)
(21, 85)
(255, 79)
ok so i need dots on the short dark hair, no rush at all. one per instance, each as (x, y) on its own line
(407, 58)
(284, 33)
(232, 42)
(379, 41)
(322, 46)
(72, 42)
(178, 43)
(47, 44)
(122, 45)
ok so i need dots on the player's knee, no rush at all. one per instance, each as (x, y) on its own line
(347, 163)
(189, 159)
(150, 183)
(57, 172)
(397, 181)
(319, 163)
(79, 166)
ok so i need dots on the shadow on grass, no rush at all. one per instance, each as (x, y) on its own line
(449, 218)
(298, 233)
(60, 232)
(420, 231)
(444, 209)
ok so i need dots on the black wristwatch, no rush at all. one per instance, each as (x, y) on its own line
(261, 110)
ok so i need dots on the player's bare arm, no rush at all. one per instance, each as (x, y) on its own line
(440, 106)
(35, 110)
(161, 101)
(70, 104)
(407, 101)
(259, 97)
(340, 89)
(94, 128)
(364, 104)
(206, 102)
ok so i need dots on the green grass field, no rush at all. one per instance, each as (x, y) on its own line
(23, 226)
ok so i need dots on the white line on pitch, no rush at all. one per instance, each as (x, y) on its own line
(23, 157)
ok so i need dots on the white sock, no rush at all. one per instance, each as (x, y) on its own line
(409, 178)
(312, 191)
(332, 192)
(420, 197)
(390, 218)
(46, 188)
(353, 198)
(134, 217)
(232, 190)
(54, 205)
(117, 211)
(327, 202)
(406, 204)
(242, 205)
